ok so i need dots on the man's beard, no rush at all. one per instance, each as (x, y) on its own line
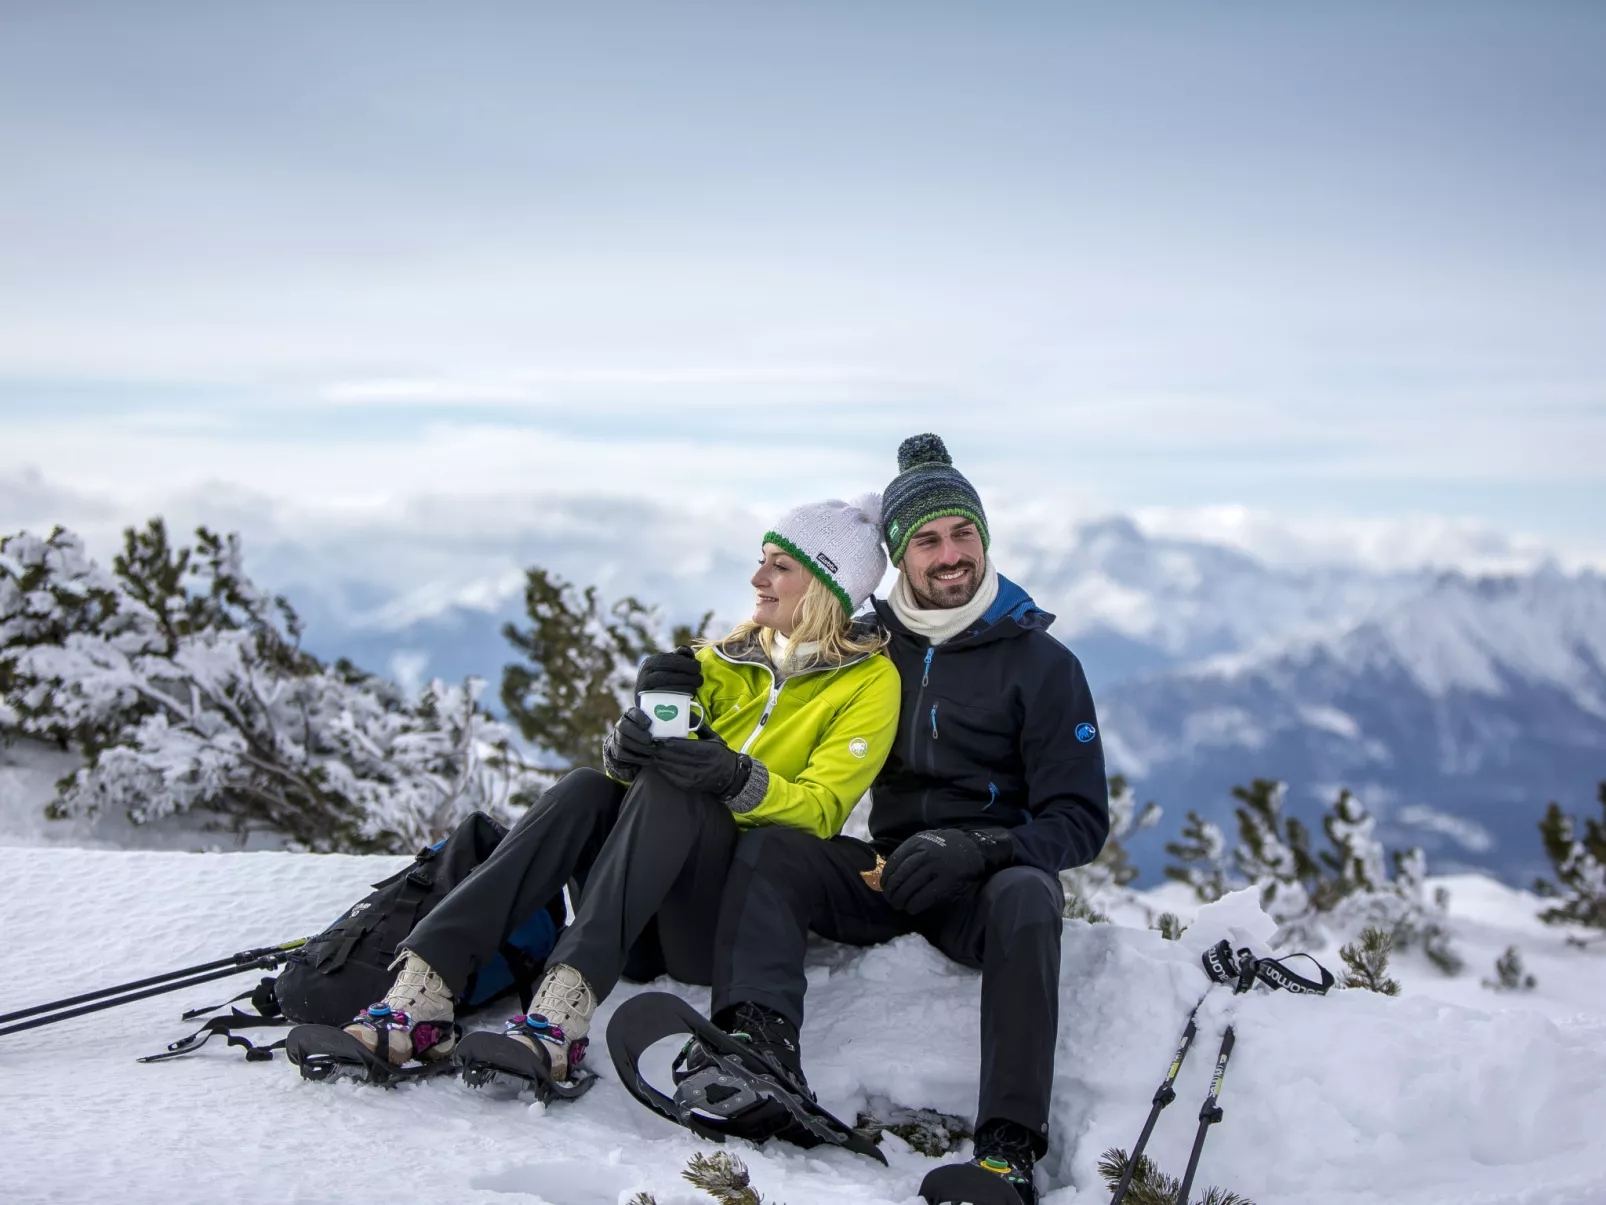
(933, 595)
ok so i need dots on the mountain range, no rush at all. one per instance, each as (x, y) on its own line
(1455, 704)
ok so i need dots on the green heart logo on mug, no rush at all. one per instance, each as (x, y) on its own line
(666, 711)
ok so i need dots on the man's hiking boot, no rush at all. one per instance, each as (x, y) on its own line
(1009, 1150)
(414, 1020)
(776, 1053)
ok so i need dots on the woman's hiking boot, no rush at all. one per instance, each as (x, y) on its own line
(559, 1020)
(415, 1020)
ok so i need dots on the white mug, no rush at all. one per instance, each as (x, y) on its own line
(670, 713)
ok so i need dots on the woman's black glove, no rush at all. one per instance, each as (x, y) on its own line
(628, 746)
(702, 765)
(677, 671)
(941, 863)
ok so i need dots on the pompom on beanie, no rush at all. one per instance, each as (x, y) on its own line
(839, 542)
(927, 487)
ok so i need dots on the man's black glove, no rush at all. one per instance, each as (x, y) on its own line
(702, 765)
(941, 863)
(629, 745)
(677, 671)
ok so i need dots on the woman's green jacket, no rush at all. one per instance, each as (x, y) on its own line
(818, 737)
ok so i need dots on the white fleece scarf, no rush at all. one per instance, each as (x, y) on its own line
(786, 656)
(937, 625)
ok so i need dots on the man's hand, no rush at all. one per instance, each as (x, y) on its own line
(629, 745)
(702, 765)
(677, 671)
(942, 863)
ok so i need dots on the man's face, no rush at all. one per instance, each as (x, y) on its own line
(944, 562)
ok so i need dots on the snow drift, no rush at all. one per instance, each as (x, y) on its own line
(1438, 1095)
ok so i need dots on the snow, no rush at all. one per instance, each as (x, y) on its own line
(1448, 1092)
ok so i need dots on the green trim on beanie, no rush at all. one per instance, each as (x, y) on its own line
(943, 513)
(797, 554)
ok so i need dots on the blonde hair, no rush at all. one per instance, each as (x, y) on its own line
(819, 620)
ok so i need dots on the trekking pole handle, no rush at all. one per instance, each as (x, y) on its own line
(265, 961)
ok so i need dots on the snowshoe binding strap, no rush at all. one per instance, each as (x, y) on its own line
(650, 1017)
(267, 1015)
(488, 1059)
(424, 1036)
(970, 1184)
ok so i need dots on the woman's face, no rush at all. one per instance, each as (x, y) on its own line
(780, 584)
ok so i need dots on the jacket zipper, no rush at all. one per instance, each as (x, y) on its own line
(777, 687)
(764, 716)
(914, 723)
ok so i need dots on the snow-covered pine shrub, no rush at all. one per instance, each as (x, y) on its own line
(1169, 925)
(722, 1176)
(1201, 859)
(1103, 881)
(578, 668)
(1510, 975)
(1151, 1186)
(1316, 893)
(185, 688)
(931, 1133)
(1367, 958)
(1579, 864)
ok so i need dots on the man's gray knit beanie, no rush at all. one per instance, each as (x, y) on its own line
(927, 487)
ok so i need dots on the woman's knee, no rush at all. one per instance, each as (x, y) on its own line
(771, 851)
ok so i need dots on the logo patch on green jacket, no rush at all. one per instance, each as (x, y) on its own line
(859, 747)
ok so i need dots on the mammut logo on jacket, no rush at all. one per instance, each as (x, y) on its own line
(859, 747)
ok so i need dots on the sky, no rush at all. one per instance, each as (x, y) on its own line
(303, 264)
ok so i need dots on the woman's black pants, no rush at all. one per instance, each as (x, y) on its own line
(651, 862)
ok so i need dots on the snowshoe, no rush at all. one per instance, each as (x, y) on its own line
(499, 1061)
(732, 1084)
(975, 1183)
(324, 1052)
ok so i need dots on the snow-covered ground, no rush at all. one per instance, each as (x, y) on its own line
(1446, 1093)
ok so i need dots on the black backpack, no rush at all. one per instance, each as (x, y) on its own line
(347, 966)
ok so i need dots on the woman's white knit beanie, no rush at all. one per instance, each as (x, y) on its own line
(840, 542)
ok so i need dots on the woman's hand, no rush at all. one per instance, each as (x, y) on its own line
(703, 765)
(629, 746)
(677, 671)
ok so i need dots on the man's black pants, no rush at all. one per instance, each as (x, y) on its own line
(651, 862)
(785, 882)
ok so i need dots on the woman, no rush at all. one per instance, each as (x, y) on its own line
(800, 710)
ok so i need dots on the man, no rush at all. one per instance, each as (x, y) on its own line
(994, 785)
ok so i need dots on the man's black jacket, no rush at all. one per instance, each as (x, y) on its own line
(996, 729)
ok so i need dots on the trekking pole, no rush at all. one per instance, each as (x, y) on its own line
(1162, 1097)
(1209, 1114)
(1222, 968)
(265, 958)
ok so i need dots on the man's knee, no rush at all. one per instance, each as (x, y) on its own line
(1018, 896)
